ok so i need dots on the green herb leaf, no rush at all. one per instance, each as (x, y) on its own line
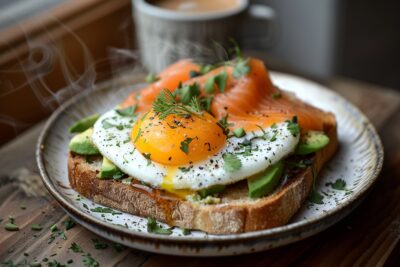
(184, 169)
(166, 104)
(69, 223)
(205, 102)
(153, 227)
(223, 123)
(193, 74)
(231, 162)
(239, 132)
(241, 68)
(293, 126)
(151, 78)
(147, 156)
(55, 263)
(98, 245)
(209, 86)
(119, 247)
(75, 248)
(276, 95)
(88, 261)
(105, 210)
(127, 112)
(11, 227)
(36, 227)
(186, 231)
(187, 92)
(206, 68)
(220, 80)
(316, 197)
(339, 184)
(185, 145)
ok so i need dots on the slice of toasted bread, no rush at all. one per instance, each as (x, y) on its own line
(236, 213)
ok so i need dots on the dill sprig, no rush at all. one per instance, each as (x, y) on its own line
(166, 105)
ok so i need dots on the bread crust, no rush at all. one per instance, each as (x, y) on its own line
(235, 214)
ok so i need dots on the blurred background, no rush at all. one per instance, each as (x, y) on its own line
(51, 50)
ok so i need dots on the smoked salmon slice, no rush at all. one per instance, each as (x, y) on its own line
(250, 101)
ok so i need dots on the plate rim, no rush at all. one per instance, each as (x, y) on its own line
(300, 226)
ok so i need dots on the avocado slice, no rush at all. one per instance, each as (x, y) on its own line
(211, 190)
(312, 142)
(266, 182)
(109, 170)
(82, 143)
(84, 124)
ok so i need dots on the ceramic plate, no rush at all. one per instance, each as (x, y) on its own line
(357, 163)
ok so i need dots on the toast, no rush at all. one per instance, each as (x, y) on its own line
(236, 213)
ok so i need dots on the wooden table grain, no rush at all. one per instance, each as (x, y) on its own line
(367, 237)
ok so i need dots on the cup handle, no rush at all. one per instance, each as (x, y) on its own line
(258, 29)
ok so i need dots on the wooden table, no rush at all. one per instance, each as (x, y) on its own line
(367, 237)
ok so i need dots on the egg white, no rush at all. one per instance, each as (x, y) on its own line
(114, 143)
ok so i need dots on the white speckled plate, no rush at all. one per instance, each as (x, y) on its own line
(358, 162)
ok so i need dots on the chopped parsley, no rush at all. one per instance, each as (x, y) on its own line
(184, 169)
(147, 156)
(127, 112)
(139, 133)
(186, 231)
(219, 80)
(223, 123)
(75, 248)
(276, 95)
(88, 261)
(151, 78)
(231, 162)
(239, 132)
(105, 210)
(339, 184)
(36, 227)
(11, 226)
(187, 93)
(166, 104)
(153, 227)
(185, 145)
(55, 263)
(315, 196)
(69, 224)
(99, 245)
(293, 126)
(241, 68)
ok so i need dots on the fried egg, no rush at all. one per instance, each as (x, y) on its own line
(188, 153)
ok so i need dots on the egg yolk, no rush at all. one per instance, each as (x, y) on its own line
(177, 140)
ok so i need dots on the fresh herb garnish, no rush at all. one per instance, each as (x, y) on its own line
(218, 80)
(186, 231)
(147, 156)
(206, 68)
(276, 95)
(127, 112)
(193, 73)
(166, 105)
(339, 184)
(185, 145)
(205, 102)
(293, 126)
(36, 227)
(98, 245)
(153, 227)
(184, 169)
(241, 68)
(187, 93)
(11, 226)
(119, 247)
(75, 248)
(315, 196)
(69, 223)
(88, 261)
(231, 162)
(151, 78)
(53, 228)
(223, 123)
(105, 210)
(239, 132)
(55, 263)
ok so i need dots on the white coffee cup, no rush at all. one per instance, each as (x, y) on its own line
(165, 35)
